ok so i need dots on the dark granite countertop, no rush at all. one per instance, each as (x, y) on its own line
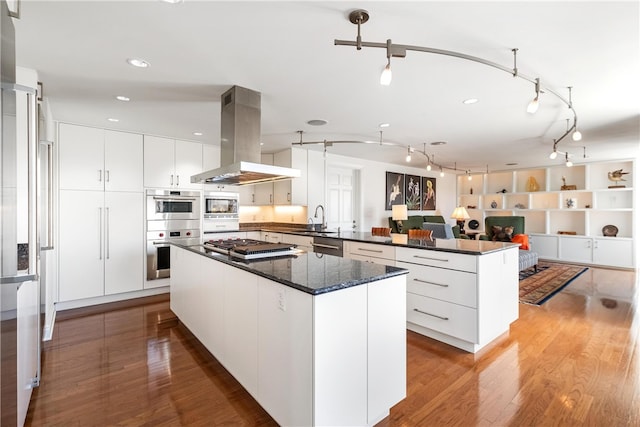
(462, 246)
(308, 272)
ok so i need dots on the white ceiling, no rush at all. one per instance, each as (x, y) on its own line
(286, 51)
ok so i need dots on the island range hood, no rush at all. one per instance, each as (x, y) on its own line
(240, 144)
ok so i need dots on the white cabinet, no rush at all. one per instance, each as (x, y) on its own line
(315, 179)
(263, 193)
(285, 350)
(101, 243)
(607, 251)
(270, 236)
(302, 242)
(210, 156)
(377, 254)
(170, 163)
(463, 300)
(545, 245)
(575, 249)
(98, 159)
(291, 191)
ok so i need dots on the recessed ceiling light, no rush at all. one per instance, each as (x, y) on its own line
(262, 143)
(113, 120)
(197, 133)
(317, 122)
(438, 143)
(136, 62)
(123, 98)
(384, 125)
(470, 101)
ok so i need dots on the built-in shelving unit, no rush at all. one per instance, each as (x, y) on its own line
(559, 199)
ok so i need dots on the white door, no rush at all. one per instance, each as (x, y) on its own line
(616, 253)
(81, 158)
(577, 249)
(188, 157)
(159, 162)
(81, 244)
(124, 242)
(122, 160)
(341, 199)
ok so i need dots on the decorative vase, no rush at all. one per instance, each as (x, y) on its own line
(572, 203)
(532, 184)
(494, 204)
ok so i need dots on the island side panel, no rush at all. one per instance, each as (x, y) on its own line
(497, 294)
(285, 351)
(387, 346)
(340, 357)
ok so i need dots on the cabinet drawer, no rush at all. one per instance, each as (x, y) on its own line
(432, 258)
(377, 251)
(447, 285)
(451, 319)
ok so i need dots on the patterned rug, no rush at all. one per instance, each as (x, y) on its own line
(537, 287)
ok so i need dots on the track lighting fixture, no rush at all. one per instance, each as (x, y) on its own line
(577, 135)
(469, 175)
(408, 158)
(441, 172)
(554, 153)
(429, 167)
(568, 163)
(534, 104)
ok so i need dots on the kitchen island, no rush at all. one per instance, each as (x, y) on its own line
(315, 339)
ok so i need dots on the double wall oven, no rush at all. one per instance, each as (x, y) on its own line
(172, 216)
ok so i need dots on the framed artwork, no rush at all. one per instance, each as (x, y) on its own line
(428, 194)
(394, 190)
(413, 198)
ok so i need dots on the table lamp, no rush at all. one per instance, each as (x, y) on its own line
(460, 214)
(399, 214)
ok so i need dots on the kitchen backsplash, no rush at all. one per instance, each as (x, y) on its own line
(280, 214)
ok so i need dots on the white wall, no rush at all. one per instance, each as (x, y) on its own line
(372, 212)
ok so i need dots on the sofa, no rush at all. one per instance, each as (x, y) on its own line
(526, 257)
(415, 222)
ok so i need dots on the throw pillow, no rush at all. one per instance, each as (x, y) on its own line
(523, 239)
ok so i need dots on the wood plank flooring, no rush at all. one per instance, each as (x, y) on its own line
(573, 361)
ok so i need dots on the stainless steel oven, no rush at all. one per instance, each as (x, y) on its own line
(171, 205)
(221, 211)
(159, 236)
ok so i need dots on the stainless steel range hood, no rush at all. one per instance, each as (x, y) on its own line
(240, 143)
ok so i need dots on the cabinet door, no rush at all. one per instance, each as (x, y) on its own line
(263, 193)
(577, 249)
(188, 157)
(124, 240)
(616, 253)
(81, 244)
(291, 191)
(315, 179)
(241, 327)
(122, 160)
(158, 162)
(285, 351)
(81, 158)
(545, 246)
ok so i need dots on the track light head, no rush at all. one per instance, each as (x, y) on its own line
(385, 77)
(534, 104)
(553, 154)
(429, 167)
(577, 135)
(408, 158)
(568, 163)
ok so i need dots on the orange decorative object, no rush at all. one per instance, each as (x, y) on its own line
(523, 239)
(380, 231)
(420, 234)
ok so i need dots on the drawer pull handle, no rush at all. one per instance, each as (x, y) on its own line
(431, 283)
(320, 245)
(429, 314)
(431, 259)
(370, 250)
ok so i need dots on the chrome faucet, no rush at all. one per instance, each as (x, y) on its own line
(323, 226)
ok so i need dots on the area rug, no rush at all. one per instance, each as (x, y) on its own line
(537, 287)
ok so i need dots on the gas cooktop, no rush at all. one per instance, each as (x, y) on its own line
(250, 248)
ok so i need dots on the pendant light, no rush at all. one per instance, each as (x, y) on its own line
(385, 77)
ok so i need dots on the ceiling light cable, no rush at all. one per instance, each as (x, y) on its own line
(534, 104)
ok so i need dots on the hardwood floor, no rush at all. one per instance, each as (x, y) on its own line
(573, 361)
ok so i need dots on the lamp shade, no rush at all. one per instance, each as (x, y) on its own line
(460, 213)
(399, 212)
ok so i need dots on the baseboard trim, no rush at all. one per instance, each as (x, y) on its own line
(89, 306)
